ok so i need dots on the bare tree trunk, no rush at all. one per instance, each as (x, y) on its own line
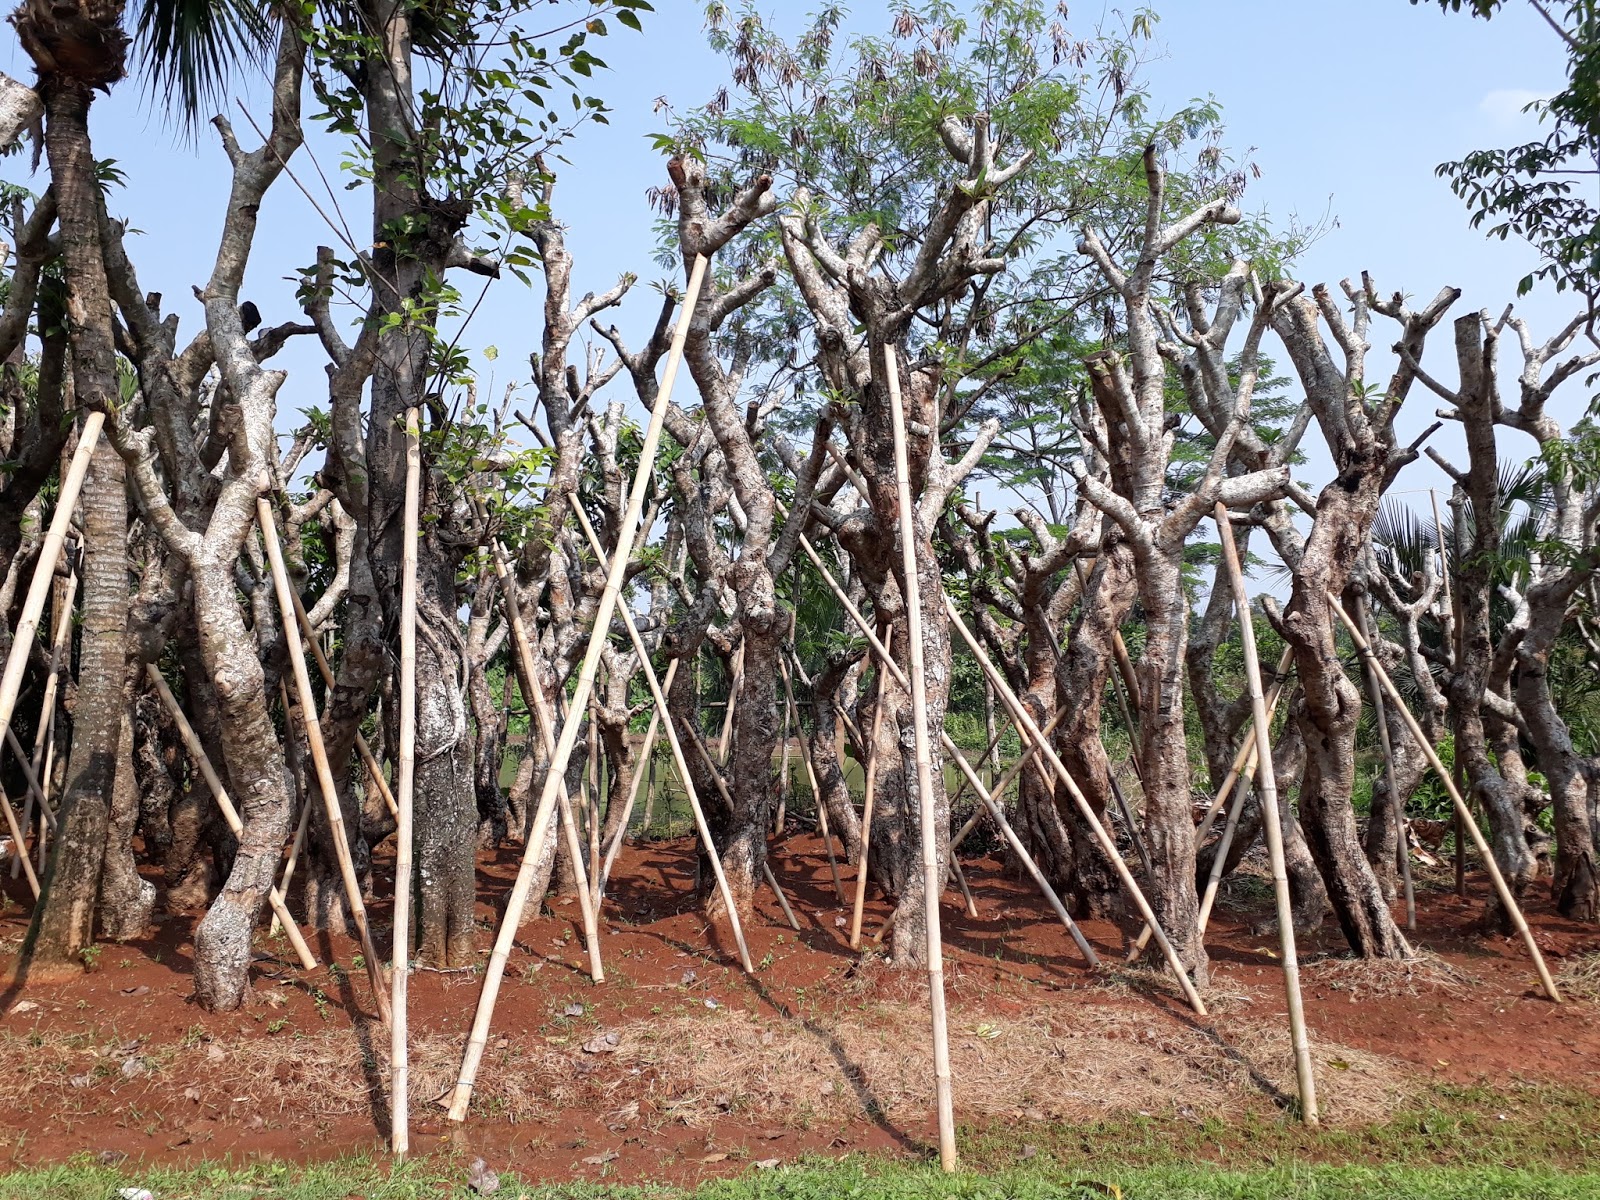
(63, 921)
(126, 900)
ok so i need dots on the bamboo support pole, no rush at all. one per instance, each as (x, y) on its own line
(16, 840)
(1244, 760)
(60, 643)
(783, 768)
(659, 695)
(1455, 626)
(598, 634)
(405, 784)
(870, 786)
(816, 787)
(1237, 780)
(304, 820)
(544, 724)
(1267, 788)
(990, 798)
(592, 806)
(960, 877)
(646, 756)
(44, 572)
(319, 757)
(783, 901)
(230, 814)
(35, 791)
(735, 691)
(368, 759)
(1396, 805)
(1499, 880)
(1030, 729)
(932, 877)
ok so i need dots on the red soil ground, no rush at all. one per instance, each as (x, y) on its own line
(122, 1061)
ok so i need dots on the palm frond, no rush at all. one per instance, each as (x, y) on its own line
(187, 50)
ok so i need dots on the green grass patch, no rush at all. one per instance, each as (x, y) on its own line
(1459, 1143)
(857, 1179)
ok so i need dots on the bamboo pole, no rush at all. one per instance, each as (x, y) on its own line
(544, 723)
(735, 690)
(598, 634)
(319, 756)
(35, 791)
(1455, 627)
(990, 798)
(592, 805)
(1030, 729)
(1499, 880)
(659, 695)
(647, 756)
(305, 811)
(230, 814)
(1244, 760)
(783, 768)
(869, 786)
(960, 877)
(405, 784)
(1219, 857)
(1396, 806)
(1267, 788)
(932, 877)
(368, 759)
(16, 840)
(44, 572)
(60, 642)
(783, 901)
(816, 786)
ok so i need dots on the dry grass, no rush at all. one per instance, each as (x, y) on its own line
(1579, 978)
(1090, 1062)
(1384, 978)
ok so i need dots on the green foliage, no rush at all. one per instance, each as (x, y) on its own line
(1541, 191)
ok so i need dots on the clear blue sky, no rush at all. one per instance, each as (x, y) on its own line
(1348, 105)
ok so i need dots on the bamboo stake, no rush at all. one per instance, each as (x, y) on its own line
(646, 757)
(35, 791)
(783, 901)
(592, 806)
(539, 706)
(305, 811)
(319, 756)
(960, 877)
(1219, 857)
(374, 771)
(1267, 788)
(1455, 626)
(735, 690)
(990, 798)
(230, 814)
(659, 695)
(1030, 729)
(478, 1037)
(783, 769)
(866, 807)
(816, 787)
(1244, 760)
(405, 783)
(1396, 808)
(59, 643)
(44, 572)
(932, 877)
(1499, 880)
(16, 840)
